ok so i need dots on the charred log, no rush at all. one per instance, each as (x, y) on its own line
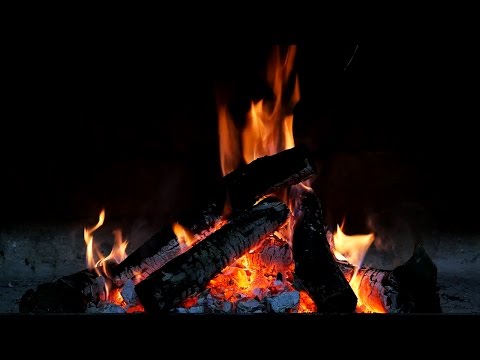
(190, 272)
(409, 288)
(242, 187)
(377, 289)
(69, 294)
(316, 270)
(417, 283)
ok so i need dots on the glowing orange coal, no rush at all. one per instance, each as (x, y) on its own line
(96, 260)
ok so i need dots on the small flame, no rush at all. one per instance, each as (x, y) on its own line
(99, 262)
(185, 237)
(88, 237)
(228, 136)
(118, 253)
(352, 248)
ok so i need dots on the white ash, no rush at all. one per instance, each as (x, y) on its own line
(128, 293)
(196, 310)
(105, 308)
(283, 302)
(250, 306)
(98, 289)
(227, 307)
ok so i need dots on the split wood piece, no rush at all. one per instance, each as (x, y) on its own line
(69, 294)
(409, 288)
(316, 270)
(190, 272)
(377, 289)
(242, 187)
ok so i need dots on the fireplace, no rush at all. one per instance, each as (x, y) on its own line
(146, 172)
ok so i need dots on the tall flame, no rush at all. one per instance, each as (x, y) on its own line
(269, 125)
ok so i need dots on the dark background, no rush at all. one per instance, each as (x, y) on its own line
(100, 117)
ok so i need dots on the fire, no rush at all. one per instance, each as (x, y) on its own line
(88, 237)
(353, 248)
(184, 236)
(97, 261)
(269, 127)
(229, 143)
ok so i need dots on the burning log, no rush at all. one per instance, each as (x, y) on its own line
(190, 272)
(376, 289)
(69, 294)
(242, 187)
(316, 270)
(409, 288)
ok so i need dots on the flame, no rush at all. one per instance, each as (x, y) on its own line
(229, 145)
(269, 127)
(88, 237)
(185, 238)
(353, 248)
(98, 262)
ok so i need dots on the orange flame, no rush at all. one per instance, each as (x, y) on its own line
(185, 237)
(228, 136)
(269, 127)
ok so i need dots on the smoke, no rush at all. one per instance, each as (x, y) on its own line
(397, 230)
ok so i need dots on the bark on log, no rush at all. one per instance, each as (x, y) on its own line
(242, 187)
(316, 270)
(69, 294)
(409, 288)
(377, 289)
(190, 272)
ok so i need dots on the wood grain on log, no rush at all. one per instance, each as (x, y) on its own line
(377, 289)
(316, 270)
(190, 272)
(243, 188)
(409, 288)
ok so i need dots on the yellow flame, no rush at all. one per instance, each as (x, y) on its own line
(118, 253)
(88, 237)
(99, 262)
(185, 237)
(351, 248)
